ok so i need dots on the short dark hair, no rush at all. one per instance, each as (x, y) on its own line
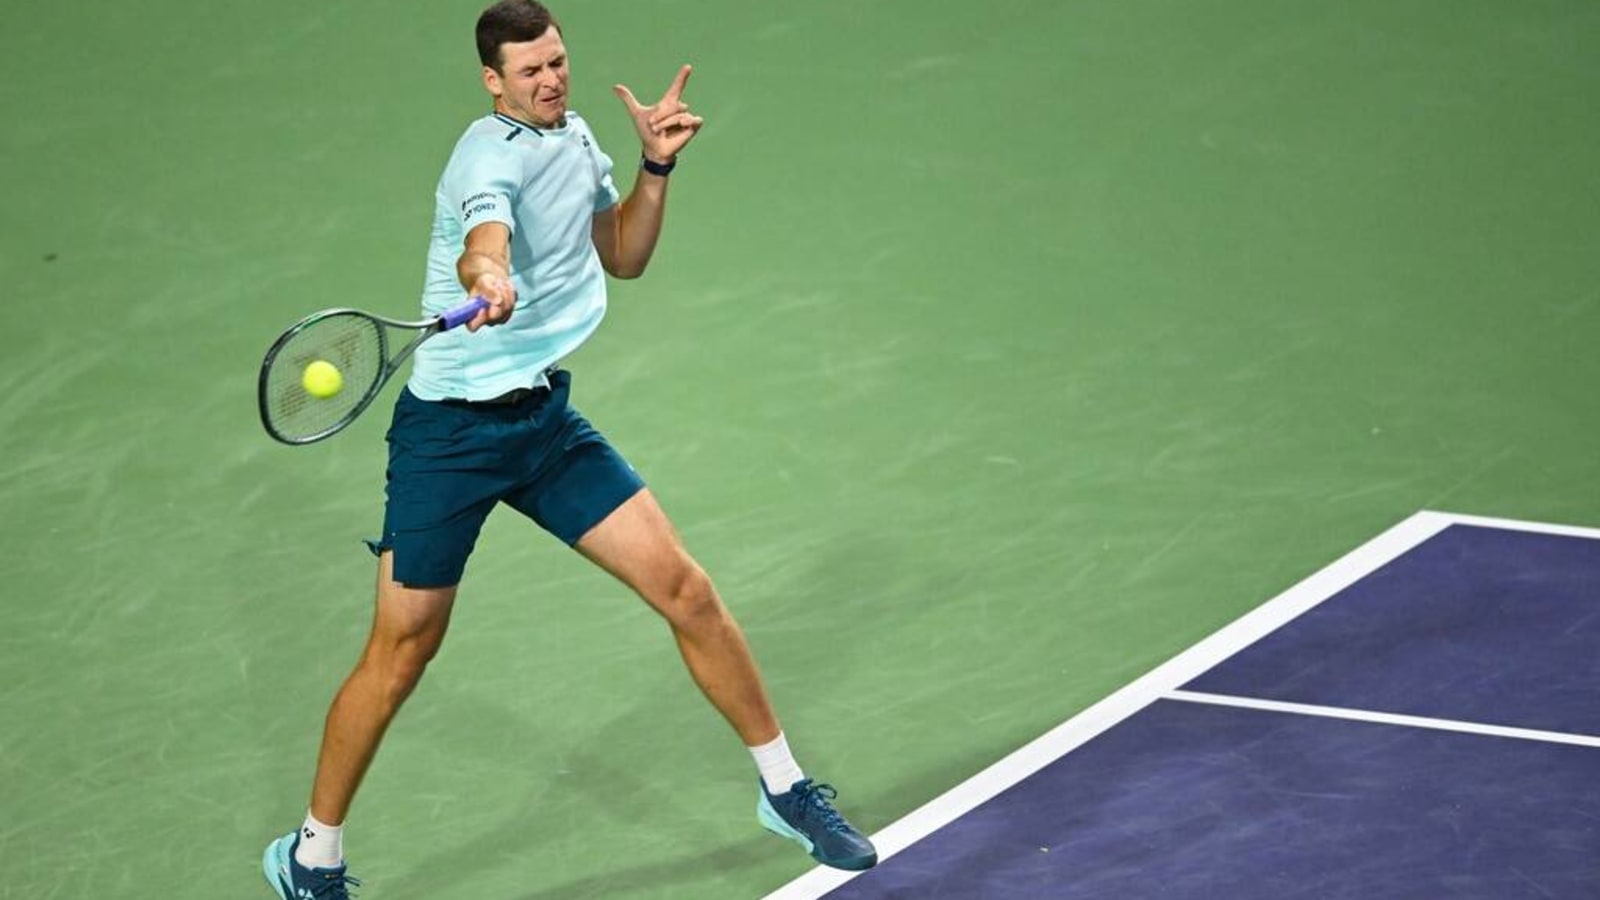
(511, 22)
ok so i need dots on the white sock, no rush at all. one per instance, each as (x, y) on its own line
(321, 845)
(778, 769)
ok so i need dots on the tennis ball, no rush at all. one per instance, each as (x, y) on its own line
(322, 379)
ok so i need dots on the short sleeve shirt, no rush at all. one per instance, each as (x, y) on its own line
(545, 184)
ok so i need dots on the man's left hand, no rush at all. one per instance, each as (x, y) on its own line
(666, 126)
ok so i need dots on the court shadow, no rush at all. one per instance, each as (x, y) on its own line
(607, 785)
(650, 878)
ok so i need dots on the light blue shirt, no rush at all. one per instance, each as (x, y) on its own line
(545, 184)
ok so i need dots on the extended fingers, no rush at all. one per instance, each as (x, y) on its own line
(628, 100)
(678, 82)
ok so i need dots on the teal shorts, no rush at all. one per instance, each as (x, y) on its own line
(451, 462)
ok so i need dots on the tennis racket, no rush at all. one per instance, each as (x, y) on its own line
(359, 346)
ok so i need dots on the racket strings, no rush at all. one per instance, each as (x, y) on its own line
(351, 342)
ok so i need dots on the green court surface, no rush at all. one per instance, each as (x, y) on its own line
(991, 355)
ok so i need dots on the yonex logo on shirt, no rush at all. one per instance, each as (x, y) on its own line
(468, 209)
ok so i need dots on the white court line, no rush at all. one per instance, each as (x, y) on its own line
(1519, 525)
(1167, 677)
(1363, 715)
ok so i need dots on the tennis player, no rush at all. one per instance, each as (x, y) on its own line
(528, 217)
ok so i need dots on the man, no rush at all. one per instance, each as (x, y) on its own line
(527, 217)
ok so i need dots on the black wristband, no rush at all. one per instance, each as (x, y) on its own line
(655, 168)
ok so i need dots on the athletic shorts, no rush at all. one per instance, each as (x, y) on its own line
(450, 462)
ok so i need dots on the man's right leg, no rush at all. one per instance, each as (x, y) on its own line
(407, 629)
(408, 626)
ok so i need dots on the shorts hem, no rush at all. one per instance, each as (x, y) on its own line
(608, 510)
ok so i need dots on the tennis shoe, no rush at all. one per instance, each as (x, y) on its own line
(805, 814)
(293, 881)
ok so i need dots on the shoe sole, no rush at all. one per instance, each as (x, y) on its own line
(771, 821)
(273, 861)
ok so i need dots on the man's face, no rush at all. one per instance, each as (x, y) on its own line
(533, 86)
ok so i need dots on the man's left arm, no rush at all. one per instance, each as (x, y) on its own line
(625, 235)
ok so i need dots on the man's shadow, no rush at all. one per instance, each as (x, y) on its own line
(605, 784)
(652, 877)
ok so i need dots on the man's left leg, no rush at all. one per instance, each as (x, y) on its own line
(637, 544)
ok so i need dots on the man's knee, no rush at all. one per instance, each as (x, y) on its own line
(399, 667)
(688, 598)
(409, 630)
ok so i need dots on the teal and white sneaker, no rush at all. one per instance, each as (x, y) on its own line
(805, 815)
(293, 881)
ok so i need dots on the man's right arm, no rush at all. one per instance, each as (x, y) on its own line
(484, 269)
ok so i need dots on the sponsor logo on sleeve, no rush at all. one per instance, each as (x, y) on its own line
(477, 203)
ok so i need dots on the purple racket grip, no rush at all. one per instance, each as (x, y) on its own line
(463, 313)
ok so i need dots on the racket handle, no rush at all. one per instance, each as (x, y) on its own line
(463, 313)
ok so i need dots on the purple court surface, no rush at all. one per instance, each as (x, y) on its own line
(1420, 719)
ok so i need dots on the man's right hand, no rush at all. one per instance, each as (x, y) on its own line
(502, 297)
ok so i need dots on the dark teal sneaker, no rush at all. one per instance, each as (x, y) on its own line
(293, 881)
(805, 815)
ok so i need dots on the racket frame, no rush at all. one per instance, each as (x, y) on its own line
(426, 328)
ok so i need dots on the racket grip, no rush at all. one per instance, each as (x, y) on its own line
(463, 313)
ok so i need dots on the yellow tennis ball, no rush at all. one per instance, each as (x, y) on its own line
(322, 379)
